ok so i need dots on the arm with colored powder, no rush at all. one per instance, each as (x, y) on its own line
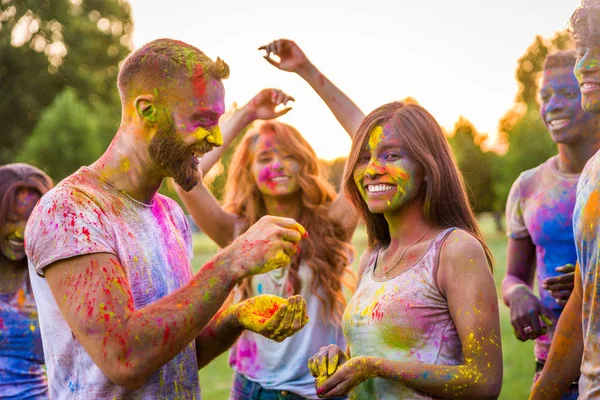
(261, 107)
(566, 351)
(526, 310)
(268, 315)
(293, 59)
(465, 280)
(527, 314)
(206, 211)
(129, 344)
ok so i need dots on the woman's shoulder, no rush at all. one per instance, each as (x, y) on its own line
(459, 240)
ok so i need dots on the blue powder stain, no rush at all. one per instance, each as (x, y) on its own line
(260, 288)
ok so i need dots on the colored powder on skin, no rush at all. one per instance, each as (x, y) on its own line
(198, 81)
(255, 314)
(124, 165)
(281, 259)
(375, 137)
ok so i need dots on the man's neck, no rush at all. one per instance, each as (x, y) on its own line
(126, 165)
(572, 158)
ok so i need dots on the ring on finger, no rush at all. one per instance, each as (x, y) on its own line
(528, 329)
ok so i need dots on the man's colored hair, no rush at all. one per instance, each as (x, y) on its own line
(560, 59)
(156, 66)
(585, 23)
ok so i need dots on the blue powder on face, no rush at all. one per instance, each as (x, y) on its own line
(260, 288)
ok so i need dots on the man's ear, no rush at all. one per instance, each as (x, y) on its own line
(146, 109)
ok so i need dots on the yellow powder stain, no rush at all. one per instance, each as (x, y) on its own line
(32, 328)
(280, 260)
(375, 137)
(124, 165)
(369, 310)
(255, 314)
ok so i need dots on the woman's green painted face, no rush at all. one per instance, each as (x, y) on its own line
(386, 177)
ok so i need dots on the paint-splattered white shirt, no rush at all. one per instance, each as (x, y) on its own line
(83, 215)
(586, 223)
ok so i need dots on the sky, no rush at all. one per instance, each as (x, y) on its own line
(454, 57)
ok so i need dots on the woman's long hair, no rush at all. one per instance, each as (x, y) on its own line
(327, 255)
(445, 199)
(14, 177)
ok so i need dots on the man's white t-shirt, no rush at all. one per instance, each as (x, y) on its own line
(82, 215)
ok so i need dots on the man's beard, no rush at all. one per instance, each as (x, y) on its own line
(168, 150)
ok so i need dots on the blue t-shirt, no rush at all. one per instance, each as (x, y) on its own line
(540, 205)
(22, 375)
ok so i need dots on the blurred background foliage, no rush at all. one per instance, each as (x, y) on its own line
(60, 107)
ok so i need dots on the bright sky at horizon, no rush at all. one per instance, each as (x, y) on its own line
(455, 57)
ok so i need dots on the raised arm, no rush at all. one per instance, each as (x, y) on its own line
(129, 344)
(205, 210)
(566, 351)
(262, 106)
(293, 59)
(465, 280)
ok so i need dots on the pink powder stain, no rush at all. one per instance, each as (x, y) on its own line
(245, 356)
(377, 312)
(265, 175)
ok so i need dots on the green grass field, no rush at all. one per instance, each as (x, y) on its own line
(215, 379)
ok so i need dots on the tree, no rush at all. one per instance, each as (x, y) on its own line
(479, 168)
(46, 45)
(66, 137)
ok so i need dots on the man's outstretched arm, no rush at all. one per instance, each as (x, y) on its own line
(128, 344)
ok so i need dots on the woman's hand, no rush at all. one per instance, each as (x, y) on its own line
(325, 362)
(291, 57)
(263, 104)
(352, 373)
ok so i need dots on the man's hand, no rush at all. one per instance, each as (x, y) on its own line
(262, 106)
(271, 316)
(291, 57)
(527, 315)
(352, 373)
(325, 362)
(560, 287)
(265, 246)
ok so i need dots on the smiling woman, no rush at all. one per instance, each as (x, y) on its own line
(415, 327)
(21, 355)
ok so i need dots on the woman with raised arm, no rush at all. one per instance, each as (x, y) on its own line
(424, 321)
(22, 372)
(274, 171)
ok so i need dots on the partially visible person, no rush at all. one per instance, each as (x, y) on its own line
(539, 213)
(576, 344)
(274, 171)
(22, 373)
(122, 316)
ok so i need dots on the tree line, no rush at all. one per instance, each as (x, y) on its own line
(60, 107)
